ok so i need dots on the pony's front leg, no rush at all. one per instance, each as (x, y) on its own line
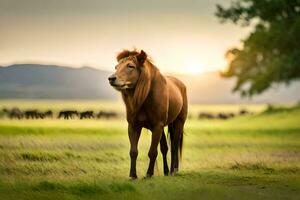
(156, 135)
(134, 135)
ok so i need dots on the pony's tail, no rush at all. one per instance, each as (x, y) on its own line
(180, 146)
(171, 136)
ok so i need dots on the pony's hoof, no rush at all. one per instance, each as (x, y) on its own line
(173, 173)
(132, 178)
(148, 176)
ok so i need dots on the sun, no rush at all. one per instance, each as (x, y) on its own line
(193, 68)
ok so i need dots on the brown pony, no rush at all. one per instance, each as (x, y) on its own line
(152, 101)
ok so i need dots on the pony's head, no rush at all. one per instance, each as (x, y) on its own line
(134, 72)
(128, 70)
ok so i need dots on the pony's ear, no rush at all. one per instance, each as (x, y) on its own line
(141, 57)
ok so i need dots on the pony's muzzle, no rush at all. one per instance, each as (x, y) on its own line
(112, 78)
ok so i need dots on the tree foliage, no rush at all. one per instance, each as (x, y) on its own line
(271, 53)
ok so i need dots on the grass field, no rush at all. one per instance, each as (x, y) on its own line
(250, 157)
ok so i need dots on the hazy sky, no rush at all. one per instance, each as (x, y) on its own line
(180, 36)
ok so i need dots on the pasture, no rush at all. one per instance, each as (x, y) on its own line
(248, 157)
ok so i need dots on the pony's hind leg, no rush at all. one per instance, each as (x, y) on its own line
(164, 151)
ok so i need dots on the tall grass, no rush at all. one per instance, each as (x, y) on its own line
(249, 157)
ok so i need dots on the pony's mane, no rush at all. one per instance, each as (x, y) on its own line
(147, 72)
(126, 53)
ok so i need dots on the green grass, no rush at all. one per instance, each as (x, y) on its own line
(251, 157)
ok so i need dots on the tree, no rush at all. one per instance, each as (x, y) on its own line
(271, 53)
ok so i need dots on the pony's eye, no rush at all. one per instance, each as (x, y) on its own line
(131, 66)
(116, 67)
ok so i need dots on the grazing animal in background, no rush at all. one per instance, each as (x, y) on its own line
(87, 115)
(106, 115)
(231, 115)
(225, 116)
(4, 112)
(48, 114)
(244, 112)
(152, 101)
(15, 113)
(35, 114)
(67, 114)
(205, 115)
(31, 114)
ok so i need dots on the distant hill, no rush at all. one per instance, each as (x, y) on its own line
(59, 82)
(54, 82)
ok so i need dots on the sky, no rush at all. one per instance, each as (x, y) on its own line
(180, 36)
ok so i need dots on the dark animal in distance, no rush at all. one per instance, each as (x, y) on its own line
(225, 115)
(205, 115)
(35, 114)
(222, 115)
(48, 114)
(244, 112)
(87, 114)
(4, 112)
(67, 114)
(32, 114)
(15, 113)
(152, 101)
(106, 115)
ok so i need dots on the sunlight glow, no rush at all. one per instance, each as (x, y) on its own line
(193, 67)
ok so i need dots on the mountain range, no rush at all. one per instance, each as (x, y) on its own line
(37, 81)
